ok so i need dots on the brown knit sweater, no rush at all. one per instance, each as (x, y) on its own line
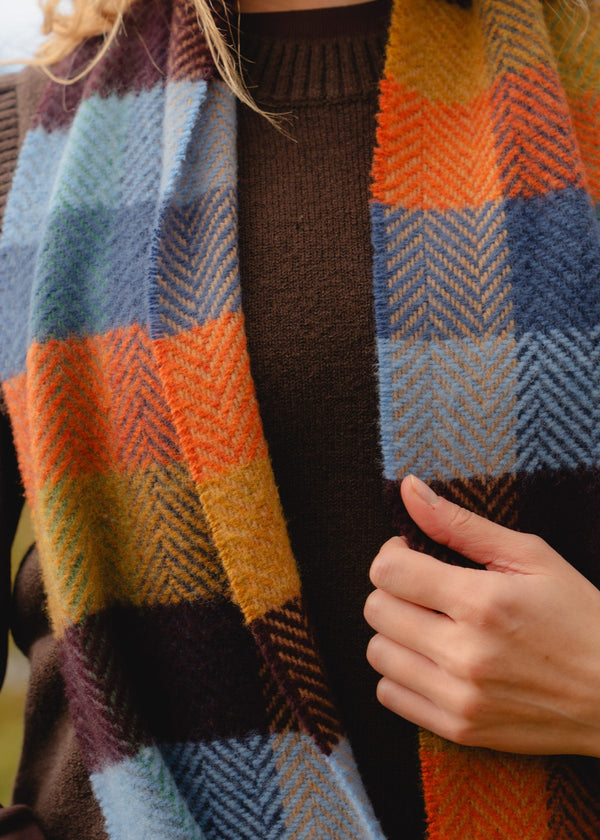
(307, 298)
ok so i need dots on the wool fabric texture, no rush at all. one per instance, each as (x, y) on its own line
(194, 683)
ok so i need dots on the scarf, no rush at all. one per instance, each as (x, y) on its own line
(195, 687)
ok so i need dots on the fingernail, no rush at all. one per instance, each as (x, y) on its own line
(423, 491)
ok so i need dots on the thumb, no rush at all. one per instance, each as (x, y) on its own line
(473, 536)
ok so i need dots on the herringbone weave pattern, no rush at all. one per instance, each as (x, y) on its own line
(196, 690)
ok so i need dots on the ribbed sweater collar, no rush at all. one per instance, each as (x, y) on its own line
(316, 54)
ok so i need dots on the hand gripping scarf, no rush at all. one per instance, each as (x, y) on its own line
(194, 684)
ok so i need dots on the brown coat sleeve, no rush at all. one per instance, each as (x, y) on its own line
(52, 779)
(18, 823)
(9, 136)
(19, 96)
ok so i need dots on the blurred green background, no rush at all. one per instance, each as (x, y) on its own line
(12, 696)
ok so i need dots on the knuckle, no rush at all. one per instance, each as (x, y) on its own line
(488, 606)
(375, 652)
(385, 693)
(535, 544)
(462, 732)
(467, 717)
(460, 517)
(372, 608)
(474, 664)
(486, 613)
(456, 520)
(384, 564)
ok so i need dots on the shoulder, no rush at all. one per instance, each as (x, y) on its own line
(20, 94)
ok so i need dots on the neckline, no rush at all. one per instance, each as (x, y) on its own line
(362, 19)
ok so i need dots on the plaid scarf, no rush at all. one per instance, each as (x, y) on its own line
(194, 685)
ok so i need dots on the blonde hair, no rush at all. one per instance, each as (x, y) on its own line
(104, 18)
(93, 18)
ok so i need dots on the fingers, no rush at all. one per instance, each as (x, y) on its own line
(403, 666)
(409, 625)
(408, 704)
(420, 578)
(411, 684)
(473, 536)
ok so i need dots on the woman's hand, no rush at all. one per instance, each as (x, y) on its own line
(507, 658)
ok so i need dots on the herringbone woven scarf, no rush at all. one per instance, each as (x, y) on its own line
(194, 684)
